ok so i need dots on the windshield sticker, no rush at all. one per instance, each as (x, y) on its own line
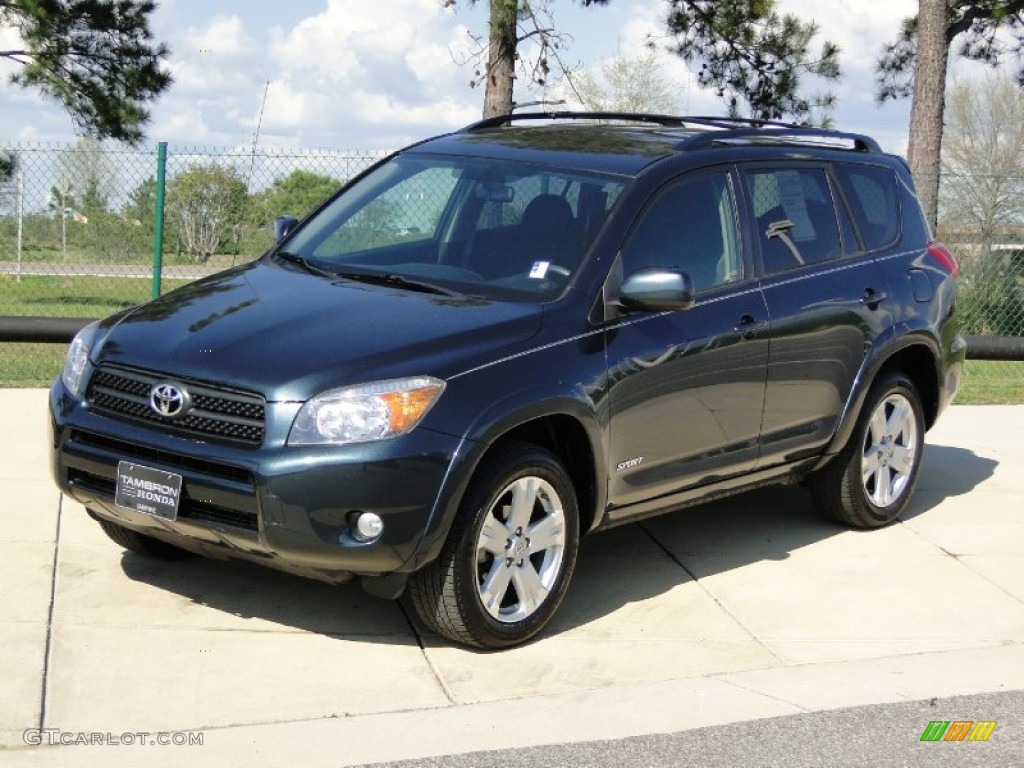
(539, 269)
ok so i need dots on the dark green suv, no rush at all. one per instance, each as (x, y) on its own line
(498, 340)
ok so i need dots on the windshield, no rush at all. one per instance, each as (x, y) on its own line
(495, 229)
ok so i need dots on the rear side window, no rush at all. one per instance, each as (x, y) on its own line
(796, 219)
(874, 198)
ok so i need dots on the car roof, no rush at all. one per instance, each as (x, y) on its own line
(625, 143)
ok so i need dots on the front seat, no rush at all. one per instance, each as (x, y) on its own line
(547, 232)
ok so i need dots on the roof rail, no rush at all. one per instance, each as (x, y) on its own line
(778, 134)
(638, 117)
(732, 122)
(727, 129)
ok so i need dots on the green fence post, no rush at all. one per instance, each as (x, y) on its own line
(158, 218)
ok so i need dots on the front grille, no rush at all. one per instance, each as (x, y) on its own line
(155, 456)
(216, 413)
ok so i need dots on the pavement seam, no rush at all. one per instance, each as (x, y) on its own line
(721, 678)
(48, 648)
(671, 555)
(961, 559)
(448, 693)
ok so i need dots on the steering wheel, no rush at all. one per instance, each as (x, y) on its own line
(558, 269)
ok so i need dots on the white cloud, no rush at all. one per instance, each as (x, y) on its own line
(382, 73)
(224, 36)
(387, 63)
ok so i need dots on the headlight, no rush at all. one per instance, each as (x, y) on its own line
(376, 411)
(77, 359)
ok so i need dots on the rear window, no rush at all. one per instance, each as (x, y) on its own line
(873, 194)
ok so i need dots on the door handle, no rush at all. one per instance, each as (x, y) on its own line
(872, 298)
(748, 327)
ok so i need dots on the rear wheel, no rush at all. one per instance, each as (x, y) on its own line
(141, 544)
(870, 481)
(510, 554)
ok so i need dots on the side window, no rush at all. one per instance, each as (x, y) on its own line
(873, 194)
(691, 226)
(795, 217)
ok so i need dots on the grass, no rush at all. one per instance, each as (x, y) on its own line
(992, 381)
(30, 365)
(74, 296)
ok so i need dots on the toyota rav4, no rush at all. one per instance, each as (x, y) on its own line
(498, 340)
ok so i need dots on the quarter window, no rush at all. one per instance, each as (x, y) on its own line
(874, 197)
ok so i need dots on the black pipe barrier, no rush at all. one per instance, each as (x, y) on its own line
(995, 347)
(55, 330)
(60, 330)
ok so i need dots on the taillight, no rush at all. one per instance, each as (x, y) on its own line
(942, 254)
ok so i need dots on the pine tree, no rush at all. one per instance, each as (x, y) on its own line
(95, 57)
(753, 57)
(915, 64)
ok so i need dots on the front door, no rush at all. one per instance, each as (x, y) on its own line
(687, 388)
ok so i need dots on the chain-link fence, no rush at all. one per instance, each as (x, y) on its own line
(77, 222)
(76, 237)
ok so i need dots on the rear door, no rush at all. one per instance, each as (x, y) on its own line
(687, 387)
(827, 299)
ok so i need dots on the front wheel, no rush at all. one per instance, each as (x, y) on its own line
(510, 554)
(870, 481)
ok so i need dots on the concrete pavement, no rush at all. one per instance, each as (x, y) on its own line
(748, 608)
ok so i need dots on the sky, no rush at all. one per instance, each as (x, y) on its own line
(379, 74)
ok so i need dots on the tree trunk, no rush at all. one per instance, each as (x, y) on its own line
(501, 58)
(925, 148)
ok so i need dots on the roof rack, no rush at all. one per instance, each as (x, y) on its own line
(500, 120)
(676, 121)
(778, 134)
(727, 129)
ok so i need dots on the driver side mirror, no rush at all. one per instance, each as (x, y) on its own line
(657, 290)
(284, 226)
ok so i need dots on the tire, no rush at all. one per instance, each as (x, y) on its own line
(495, 584)
(868, 484)
(141, 544)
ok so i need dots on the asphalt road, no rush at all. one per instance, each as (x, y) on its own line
(875, 736)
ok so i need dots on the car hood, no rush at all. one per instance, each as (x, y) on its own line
(289, 334)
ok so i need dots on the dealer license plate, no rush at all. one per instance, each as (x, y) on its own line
(151, 491)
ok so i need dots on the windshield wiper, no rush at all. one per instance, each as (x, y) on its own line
(378, 278)
(305, 263)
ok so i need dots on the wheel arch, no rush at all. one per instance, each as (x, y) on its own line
(565, 426)
(567, 438)
(917, 357)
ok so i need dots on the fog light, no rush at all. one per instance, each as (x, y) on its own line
(368, 527)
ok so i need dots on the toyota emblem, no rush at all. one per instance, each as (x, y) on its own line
(169, 400)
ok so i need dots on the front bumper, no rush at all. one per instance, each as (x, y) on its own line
(289, 508)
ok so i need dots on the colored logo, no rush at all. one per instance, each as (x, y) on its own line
(958, 730)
